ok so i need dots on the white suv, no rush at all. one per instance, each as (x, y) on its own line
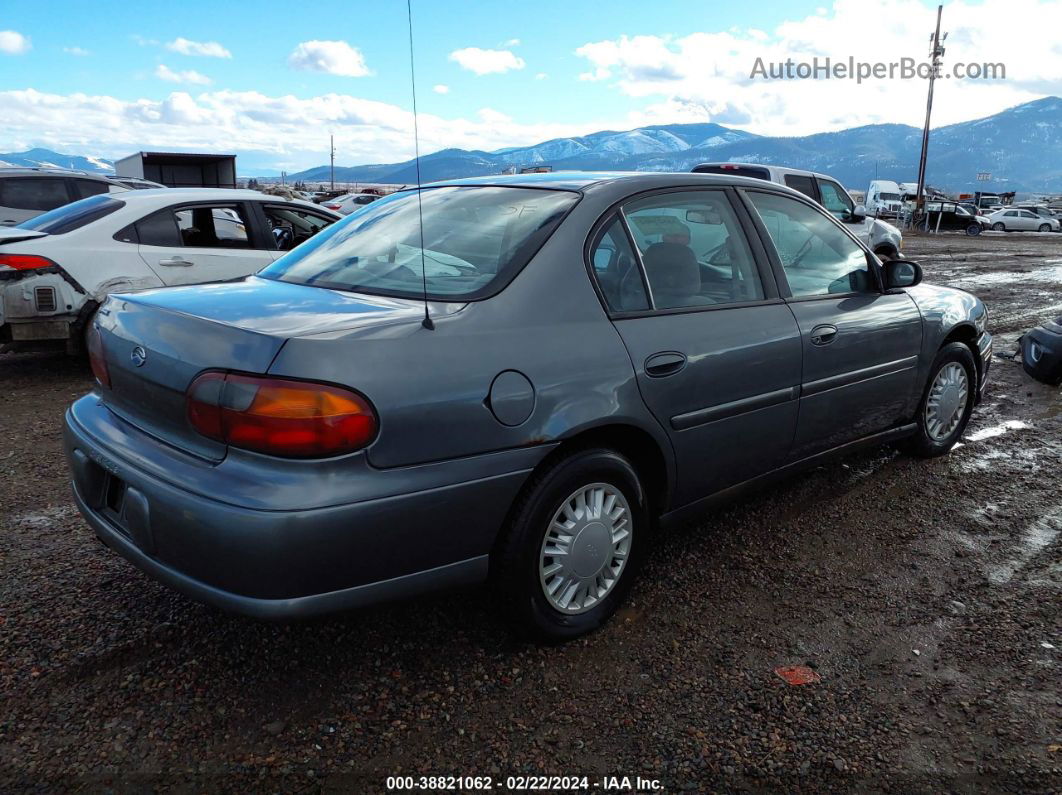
(55, 269)
(883, 239)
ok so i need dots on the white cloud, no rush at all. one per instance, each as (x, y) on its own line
(541, 76)
(280, 129)
(13, 43)
(333, 57)
(79, 51)
(706, 75)
(485, 62)
(209, 49)
(441, 89)
(512, 43)
(163, 72)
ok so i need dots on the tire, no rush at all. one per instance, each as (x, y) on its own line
(999, 227)
(931, 441)
(1044, 228)
(886, 254)
(520, 566)
(973, 230)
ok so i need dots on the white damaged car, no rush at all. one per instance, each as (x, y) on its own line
(55, 269)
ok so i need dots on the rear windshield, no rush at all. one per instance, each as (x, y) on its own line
(734, 170)
(475, 239)
(73, 216)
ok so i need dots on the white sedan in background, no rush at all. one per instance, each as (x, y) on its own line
(350, 202)
(1017, 220)
(55, 269)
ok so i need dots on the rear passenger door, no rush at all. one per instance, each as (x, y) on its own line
(715, 351)
(860, 344)
(202, 242)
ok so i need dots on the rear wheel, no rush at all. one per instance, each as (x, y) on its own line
(946, 403)
(573, 547)
(999, 227)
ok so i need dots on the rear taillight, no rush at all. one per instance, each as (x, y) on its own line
(97, 359)
(279, 416)
(25, 262)
(332, 206)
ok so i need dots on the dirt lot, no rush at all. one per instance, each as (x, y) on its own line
(925, 594)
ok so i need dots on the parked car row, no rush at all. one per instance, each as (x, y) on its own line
(56, 268)
(505, 378)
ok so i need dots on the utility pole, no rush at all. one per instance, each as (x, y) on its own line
(332, 156)
(935, 55)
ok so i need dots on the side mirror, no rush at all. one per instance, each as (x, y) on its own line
(902, 273)
(856, 215)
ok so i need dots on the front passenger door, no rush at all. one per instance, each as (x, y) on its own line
(860, 344)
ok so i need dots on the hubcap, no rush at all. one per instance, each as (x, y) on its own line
(947, 401)
(585, 549)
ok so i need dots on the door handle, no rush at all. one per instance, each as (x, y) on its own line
(666, 363)
(176, 262)
(823, 335)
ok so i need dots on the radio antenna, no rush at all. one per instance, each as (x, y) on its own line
(427, 322)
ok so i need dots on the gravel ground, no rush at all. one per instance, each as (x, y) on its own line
(926, 595)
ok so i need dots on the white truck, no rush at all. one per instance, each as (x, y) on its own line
(884, 199)
(883, 239)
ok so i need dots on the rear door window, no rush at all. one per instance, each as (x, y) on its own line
(805, 185)
(33, 193)
(693, 250)
(213, 227)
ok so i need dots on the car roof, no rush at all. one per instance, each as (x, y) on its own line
(584, 180)
(37, 171)
(164, 197)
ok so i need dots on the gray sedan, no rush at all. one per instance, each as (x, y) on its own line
(520, 387)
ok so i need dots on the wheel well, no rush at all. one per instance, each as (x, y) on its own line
(888, 249)
(633, 443)
(967, 335)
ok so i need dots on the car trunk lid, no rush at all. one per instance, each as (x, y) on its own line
(158, 341)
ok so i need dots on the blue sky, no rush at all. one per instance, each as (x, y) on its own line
(272, 79)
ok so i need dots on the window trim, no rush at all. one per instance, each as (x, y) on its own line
(768, 281)
(873, 266)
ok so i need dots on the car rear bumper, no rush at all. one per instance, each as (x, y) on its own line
(288, 564)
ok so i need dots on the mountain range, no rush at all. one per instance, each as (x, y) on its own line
(1021, 148)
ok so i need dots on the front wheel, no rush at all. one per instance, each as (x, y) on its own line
(946, 403)
(1044, 228)
(573, 546)
(973, 230)
(999, 227)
